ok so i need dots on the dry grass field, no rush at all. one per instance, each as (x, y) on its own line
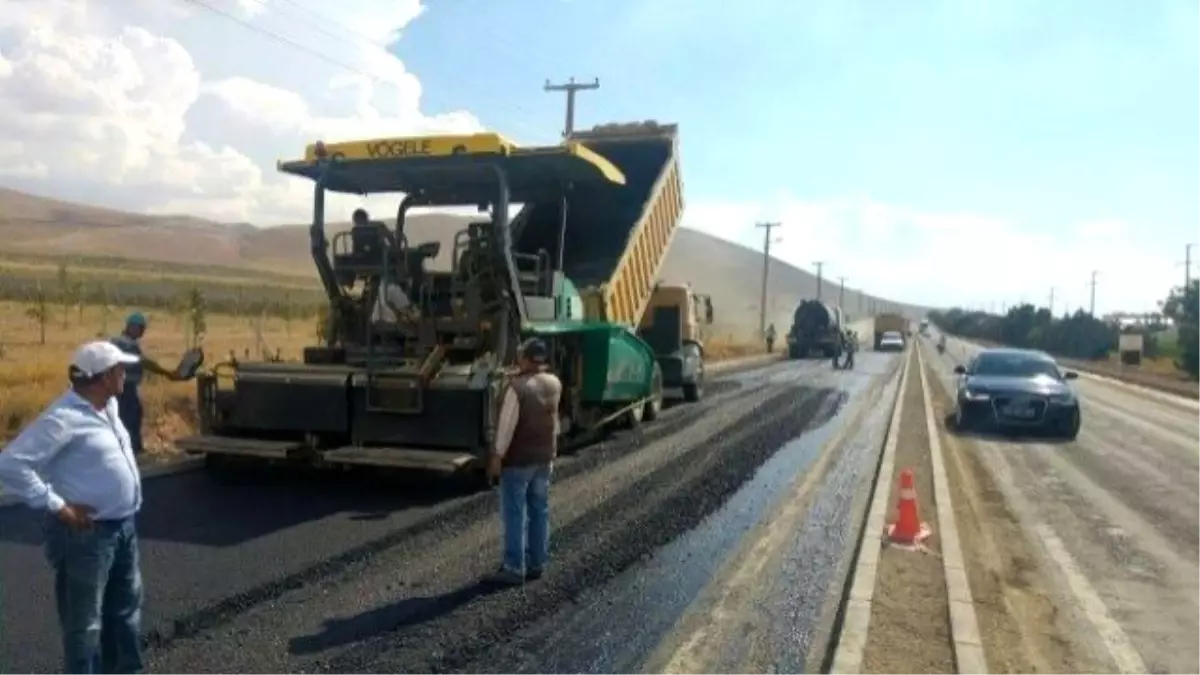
(33, 374)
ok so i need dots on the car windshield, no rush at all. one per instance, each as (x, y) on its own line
(891, 334)
(1015, 365)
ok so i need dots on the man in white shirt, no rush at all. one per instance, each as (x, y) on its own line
(75, 462)
(390, 302)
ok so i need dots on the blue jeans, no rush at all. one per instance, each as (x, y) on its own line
(129, 405)
(525, 510)
(98, 589)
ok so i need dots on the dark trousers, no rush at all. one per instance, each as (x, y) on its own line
(129, 404)
(98, 593)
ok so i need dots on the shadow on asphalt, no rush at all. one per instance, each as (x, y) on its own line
(228, 509)
(200, 509)
(1000, 435)
(382, 620)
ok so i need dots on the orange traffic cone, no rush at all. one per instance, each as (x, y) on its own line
(908, 528)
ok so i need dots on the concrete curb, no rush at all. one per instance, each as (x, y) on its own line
(964, 625)
(158, 470)
(856, 618)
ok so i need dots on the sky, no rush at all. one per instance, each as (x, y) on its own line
(936, 152)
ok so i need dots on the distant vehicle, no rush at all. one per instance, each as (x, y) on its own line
(890, 341)
(1016, 389)
(816, 326)
(889, 323)
(924, 327)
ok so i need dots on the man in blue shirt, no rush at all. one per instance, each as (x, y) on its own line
(75, 463)
(130, 402)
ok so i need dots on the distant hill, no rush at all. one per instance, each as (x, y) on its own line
(729, 272)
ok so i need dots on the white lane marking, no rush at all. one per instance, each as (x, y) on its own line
(852, 640)
(964, 625)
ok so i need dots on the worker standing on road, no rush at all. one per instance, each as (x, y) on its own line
(770, 338)
(851, 347)
(130, 402)
(523, 459)
(75, 462)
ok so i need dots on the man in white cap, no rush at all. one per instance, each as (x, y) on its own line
(75, 463)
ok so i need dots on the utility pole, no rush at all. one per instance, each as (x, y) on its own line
(820, 265)
(571, 87)
(1092, 283)
(766, 273)
(1051, 301)
(1187, 267)
(842, 292)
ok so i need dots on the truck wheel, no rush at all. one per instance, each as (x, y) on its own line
(694, 391)
(633, 416)
(654, 406)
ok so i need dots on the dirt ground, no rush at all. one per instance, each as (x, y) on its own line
(1018, 622)
(909, 630)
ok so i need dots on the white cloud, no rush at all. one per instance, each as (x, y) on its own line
(950, 258)
(179, 106)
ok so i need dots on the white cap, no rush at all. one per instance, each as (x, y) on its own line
(98, 356)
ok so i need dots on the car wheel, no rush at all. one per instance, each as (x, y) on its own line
(961, 421)
(1070, 429)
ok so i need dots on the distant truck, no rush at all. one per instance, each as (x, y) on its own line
(815, 326)
(925, 327)
(885, 323)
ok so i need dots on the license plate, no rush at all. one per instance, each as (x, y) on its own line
(1020, 411)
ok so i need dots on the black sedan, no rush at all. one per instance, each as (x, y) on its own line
(1016, 389)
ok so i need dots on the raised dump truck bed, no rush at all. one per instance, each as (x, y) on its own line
(616, 236)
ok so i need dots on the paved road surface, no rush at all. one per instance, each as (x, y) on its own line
(1115, 515)
(293, 573)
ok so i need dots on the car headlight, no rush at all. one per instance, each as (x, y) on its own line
(976, 395)
(1062, 399)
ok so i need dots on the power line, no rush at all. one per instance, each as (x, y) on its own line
(572, 87)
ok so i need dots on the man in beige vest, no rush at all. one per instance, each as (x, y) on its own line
(522, 460)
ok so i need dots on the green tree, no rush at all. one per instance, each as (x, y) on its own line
(1183, 307)
(197, 315)
(65, 291)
